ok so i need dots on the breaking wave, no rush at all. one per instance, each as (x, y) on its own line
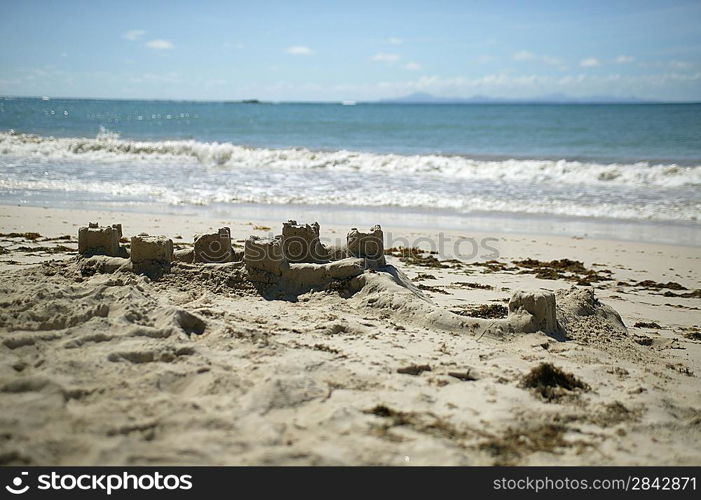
(108, 147)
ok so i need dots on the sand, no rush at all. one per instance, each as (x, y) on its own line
(389, 365)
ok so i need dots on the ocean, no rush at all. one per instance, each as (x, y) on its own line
(631, 171)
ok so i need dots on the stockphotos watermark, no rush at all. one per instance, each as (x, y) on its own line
(106, 483)
(444, 246)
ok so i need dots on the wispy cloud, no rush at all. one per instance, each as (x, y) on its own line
(505, 84)
(555, 61)
(524, 55)
(133, 34)
(680, 64)
(171, 77)
(395, 41)
(385, 57)
(299, 50)
(589, 62)
(624, 59)
(159, 44)
(412, 66)
(483, 59)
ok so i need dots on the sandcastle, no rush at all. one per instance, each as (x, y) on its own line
(151, 250)
(101, 249)
(300, 243)
(536, 309)
(264, 258)
(214, 247)
(96, 240)
(296, 262)
(367, 245)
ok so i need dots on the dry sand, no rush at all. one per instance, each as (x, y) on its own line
(199, 368)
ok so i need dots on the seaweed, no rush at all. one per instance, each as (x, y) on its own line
(426, 423)
(696, 294)
(565, 269)
(415, 256)
(472, 285)
(486, 311)
(424, 276)
(658, 286)
(549, 382)
(433, 289)
(27, 236)
(644, 324)
(515, 443)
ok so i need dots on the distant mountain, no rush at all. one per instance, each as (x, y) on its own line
(424, 98)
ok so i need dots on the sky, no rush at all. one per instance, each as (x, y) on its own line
(357, 50)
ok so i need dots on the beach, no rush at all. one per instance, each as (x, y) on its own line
(462, 238)
(195, 367)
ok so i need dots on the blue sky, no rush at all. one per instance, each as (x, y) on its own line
(327, 50)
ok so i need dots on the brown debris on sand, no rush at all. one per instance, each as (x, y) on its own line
(485, 311)
(414, 369)
(26, 236)
(565, 269)
(646, 324)
(551, 383)
(659, 286)
(466, 376)
(416, 257)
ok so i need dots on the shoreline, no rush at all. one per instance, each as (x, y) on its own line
(687, 234)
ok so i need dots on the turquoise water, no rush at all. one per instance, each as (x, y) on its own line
(668, 133)
(574, 164)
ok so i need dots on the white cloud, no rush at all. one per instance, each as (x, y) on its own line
(484, 59)
(171, 77)
(299, 50)
(133, 34)
(523, 55)
(589, 62)
(412, 66)
(509, 85)
(680, 64)
(624, 59)
(384, 57)
(395, 41)
(551, 60)
(159, 44)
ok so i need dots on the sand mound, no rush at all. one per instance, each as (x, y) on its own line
(295, 263)
(580, 314)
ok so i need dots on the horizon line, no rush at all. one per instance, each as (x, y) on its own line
(384, 100)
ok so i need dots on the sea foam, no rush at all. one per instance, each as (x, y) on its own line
(108, 147)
